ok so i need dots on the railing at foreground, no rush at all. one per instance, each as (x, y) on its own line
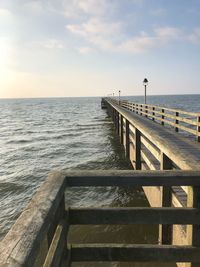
(178, 119)
(39, 236)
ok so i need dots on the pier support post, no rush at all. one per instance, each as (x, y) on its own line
(165, 231)
(153, 114)
(137, 149)
(127, 140)
(163, 117)
(122, 129)
(198, 129)
(193, 231)
(177, 121)
(117, 122)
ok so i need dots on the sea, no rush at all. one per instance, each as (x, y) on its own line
(41, 135)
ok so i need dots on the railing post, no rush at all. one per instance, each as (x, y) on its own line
(137, 149)
(198, 128)
(165, 234)
(117, 121)
(121, 129)
(141, 110)
(177, 121)
(163, 117)
(193, 231)
(146, 111)
(136, 109)
(127, 140)
(153, 113)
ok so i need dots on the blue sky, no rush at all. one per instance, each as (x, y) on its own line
(97, 47)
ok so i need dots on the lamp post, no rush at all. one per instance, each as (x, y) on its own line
(119, 96)
(145, 82)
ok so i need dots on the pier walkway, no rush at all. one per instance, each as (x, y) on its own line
(166, 165)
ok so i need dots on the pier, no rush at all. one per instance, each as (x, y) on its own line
(165, 164)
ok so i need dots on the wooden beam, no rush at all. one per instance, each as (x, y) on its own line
(132, 178)
(127, 140)
(134, 253)
(134, 215)
(137, 149)
(165, 231)
(21, 245)
(57, 247)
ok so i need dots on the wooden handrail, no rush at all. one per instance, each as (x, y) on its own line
(164, 115)
(21, 248)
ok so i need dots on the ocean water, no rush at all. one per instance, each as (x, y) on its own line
(41, 135)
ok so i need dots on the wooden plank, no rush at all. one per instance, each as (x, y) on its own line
(166, 230)
(151, 147)
(134, 215)
(137, 150)
(198, 128)
(173, 145)
(174, 124)
(21, 245)
(57, 247)
(150, 107)
(132, 178)
(135, 253)
(127, 140)
(148, 160)
(122, 129)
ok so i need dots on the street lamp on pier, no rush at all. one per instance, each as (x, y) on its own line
(145, 83)
(119, 96)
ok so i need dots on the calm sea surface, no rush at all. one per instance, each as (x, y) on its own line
(41, 135)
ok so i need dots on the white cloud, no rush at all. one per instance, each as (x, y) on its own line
(110, 36)
(34, 6)
(81, 8)
(5, 14)
(50, 44)
(138, 44)
(95, 27)
(169, 33)
(195, 36)
(84, 50)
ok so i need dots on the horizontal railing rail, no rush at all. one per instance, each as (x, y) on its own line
(46, 221)
(178, 119)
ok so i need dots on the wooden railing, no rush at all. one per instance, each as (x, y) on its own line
(180, 120)
(39, 236)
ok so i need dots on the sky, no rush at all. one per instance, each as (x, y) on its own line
(65, 48)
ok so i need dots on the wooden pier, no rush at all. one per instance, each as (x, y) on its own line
(166, 165)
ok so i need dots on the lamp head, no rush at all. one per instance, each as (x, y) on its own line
(145, 82)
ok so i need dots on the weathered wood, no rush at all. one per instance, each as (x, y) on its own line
(20, 246)
(198, 128)
(132, 178)
(166, 230)
(127, 140)
(177, 117)
(143, 253)
(137, 150)
(176, 147)
(57, 247)
(194, 231)
(163, 117)
(122, 129)
(177, 122)
(155, 152)
(131, 215)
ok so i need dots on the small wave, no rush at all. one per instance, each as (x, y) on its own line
(21, 141)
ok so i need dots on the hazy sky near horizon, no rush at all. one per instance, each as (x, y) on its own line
(97, 47)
